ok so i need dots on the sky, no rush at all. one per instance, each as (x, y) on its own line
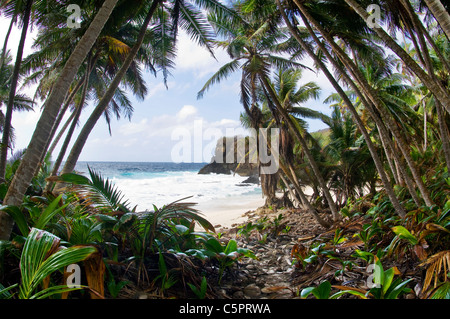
(153, 132)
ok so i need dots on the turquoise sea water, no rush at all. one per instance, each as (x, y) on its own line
(145, 184)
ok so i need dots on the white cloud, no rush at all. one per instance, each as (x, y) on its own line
(186, 112)
(160, 134)
(193, 57)
(131, 128)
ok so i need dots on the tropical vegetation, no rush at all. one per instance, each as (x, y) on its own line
(379, 172)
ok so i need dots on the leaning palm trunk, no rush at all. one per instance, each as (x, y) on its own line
(52, 142)
(376, 101)
(5, 43)
(442, 95)
(30, 161)
(78, 146)
(445, 136)
(299, 137)
(301, 197)
(58, 137)
(72, 128)
(440, 14)
(384, 179)
(12, 92)
(421, 34)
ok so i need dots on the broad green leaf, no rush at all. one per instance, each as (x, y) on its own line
(214, 245)
(49, 212)
(18, 217)
(388, 277)
(399, 288)
(39, 259)
(378, 275)
(323, 290)
(306, 292)
(75, 179)
(403, 233)
(352, 292)
(231, 247)
(106, 218)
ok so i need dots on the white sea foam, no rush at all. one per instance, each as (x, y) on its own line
(161, 190)
(221, 198)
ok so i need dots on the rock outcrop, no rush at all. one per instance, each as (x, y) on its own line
(227, 157)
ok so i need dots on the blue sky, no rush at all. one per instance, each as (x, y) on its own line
(148, 136)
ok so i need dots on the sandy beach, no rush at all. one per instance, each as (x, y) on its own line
(228, 211)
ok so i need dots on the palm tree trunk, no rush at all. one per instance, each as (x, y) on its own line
(375, 100)
(77, 148)
(442, 95)
(58, 137)
(72, 128)
(388, 157)
(304, 145)
(384, 179)
(50, 148)
(294, 199)
(5, 43)
(30, 161)
(440, 14)
(12, 93)
(445, 136)
(422, 35)
(302, 198)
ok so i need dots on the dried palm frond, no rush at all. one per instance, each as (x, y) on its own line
(95, 272)
(436, 265)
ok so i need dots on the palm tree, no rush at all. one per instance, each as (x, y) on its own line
(184, 15)
(353, 166)
(38, 142)
(348, 103)
(21, 101)
(102, 65)
(13, 87)
(440, 14)
(441, 94)
(251, 48)
(292, 97)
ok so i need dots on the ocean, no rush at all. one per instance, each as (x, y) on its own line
(148, 184)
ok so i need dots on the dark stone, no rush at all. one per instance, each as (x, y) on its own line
(254, 179)
(219, 163)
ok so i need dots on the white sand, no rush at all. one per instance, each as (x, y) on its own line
(228, 211)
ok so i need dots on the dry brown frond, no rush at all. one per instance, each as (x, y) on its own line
(435, 264)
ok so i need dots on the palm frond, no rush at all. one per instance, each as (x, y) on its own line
(98, 192)
(436, 265)
(196, 26)
(41, 256)
(224, 72)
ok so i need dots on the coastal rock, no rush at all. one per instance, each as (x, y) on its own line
(215, 168)
(227, 148)
(254, 179)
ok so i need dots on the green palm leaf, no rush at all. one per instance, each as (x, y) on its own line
(98, 192)
(41, 257)
(220, 75)
(196, 26)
